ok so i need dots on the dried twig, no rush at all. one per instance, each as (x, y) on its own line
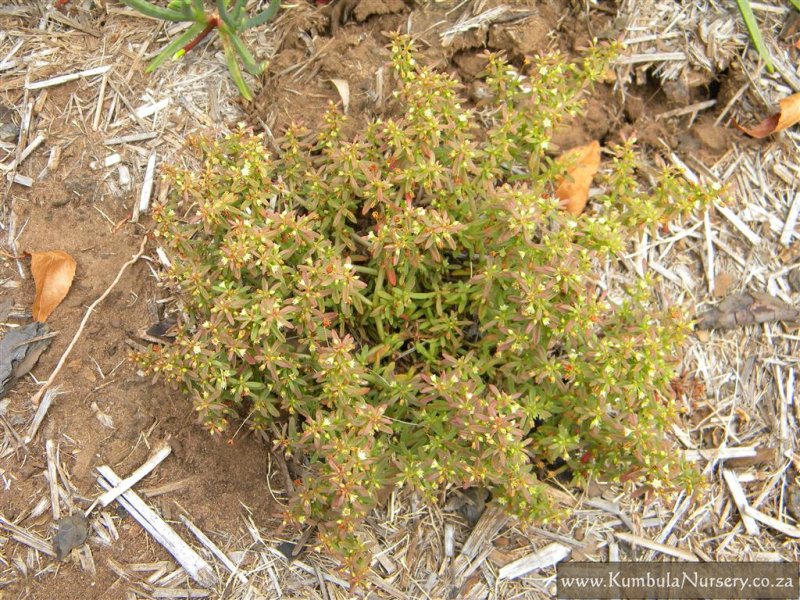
(197, 568)
(155, 459)
(214, 549)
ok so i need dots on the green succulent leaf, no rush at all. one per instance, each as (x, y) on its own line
(263, 17)
(236, 13)
(222, 9)
(183, 6)
(251, 65)
(173, 50)
(234, 70)
(157, 12)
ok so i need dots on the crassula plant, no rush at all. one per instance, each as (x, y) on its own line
(414, 307)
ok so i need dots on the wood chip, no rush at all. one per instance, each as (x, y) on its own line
(124, 177)
(197, 568)
(156, 458)
(53, 161)
(131, 138)
(740, 500)
(655, 546)
(150, 109)
(41, 412)
(490, 523)
(651, 57)
(167, 488)
(108, 161)
(715, 454)
(147, 189)
(546, 557)
(686, 110)
(734, 220)
(35, 143)
(67, 78)
(52, 477)
(788, 231)
(449, 540)
(784, 528)
(22, 180)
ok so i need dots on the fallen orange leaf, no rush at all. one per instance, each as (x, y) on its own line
(52, 274)
(582, 163)
(788, 116)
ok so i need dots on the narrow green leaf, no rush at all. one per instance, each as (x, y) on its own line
(250, 64)
(157, 12)
(235, 71)
(236, 13)
(175, 46)
(795, 3)
(755, 33)
(265, 16)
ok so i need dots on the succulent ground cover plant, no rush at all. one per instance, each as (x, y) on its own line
(413, 307)
(229, 19)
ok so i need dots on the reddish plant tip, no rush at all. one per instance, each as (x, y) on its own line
(213, 22)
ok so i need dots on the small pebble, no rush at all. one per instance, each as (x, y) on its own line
(72, 533)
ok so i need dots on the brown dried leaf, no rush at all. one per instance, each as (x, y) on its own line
(788, 116)
(53, 273)
(582, 163)
(747, 309)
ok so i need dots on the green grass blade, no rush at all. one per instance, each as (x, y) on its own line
(265, 16)
(235, 71)
(795, 3)
(250, 64)
(151, 10)
(175, 46)
(755, 32)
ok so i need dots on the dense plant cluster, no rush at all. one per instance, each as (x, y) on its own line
(414, 308)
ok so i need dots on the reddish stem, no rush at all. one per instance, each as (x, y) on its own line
(212, 23)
